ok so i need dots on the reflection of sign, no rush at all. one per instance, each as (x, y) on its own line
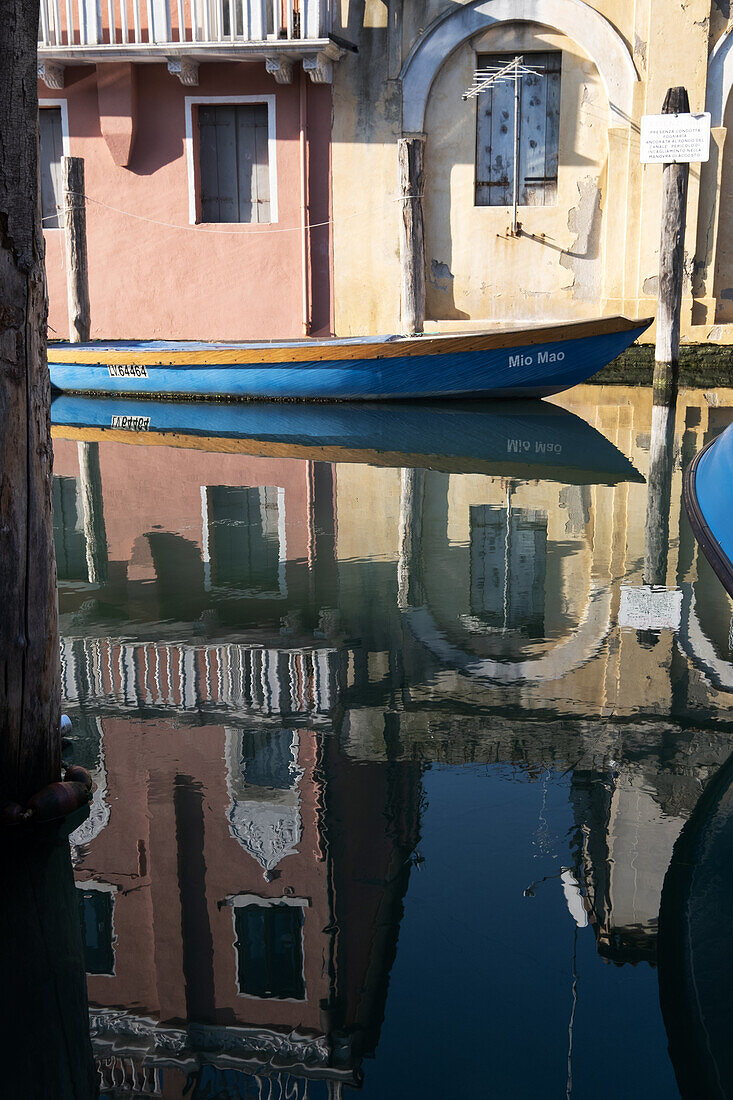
(668, 139)
(127, 370)
(650, 608)
(130, 423)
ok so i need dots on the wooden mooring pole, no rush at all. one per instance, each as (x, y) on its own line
(75, 226)
(412, 232)
(30, 752)
(95, 532)
(666, 358)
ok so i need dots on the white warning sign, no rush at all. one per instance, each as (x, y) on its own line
(675, 139)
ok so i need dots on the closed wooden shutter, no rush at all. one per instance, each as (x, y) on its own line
(51, 152)
(539, 130)
(234, 163)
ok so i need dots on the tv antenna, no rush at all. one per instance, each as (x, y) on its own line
(510, 72)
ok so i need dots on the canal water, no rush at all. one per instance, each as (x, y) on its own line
(391, 741)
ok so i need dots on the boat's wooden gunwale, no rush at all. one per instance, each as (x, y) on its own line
(325, 351)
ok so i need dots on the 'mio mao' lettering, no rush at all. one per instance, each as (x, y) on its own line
(522, 360)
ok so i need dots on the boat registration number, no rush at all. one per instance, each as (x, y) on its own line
(130, 423)
(127, 370)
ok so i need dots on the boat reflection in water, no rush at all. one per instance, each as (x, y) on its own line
(468, 437)
(278, 643)
(695, 959)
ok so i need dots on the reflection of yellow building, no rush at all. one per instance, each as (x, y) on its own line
(584, 541)
(421, 614)
(589, 211)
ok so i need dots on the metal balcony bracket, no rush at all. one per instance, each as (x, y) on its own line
(186, 69)
(281, 68)
(51, 74)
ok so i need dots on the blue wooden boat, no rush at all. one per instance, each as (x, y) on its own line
(708, 495)
(525, 439)
(532, 362)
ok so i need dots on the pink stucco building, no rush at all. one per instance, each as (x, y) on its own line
(205, 132)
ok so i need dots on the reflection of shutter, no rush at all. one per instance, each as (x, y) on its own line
(509, 593)
(234, 163)
(51, 152)
(539, 127)
(244, 543)
(269, 950)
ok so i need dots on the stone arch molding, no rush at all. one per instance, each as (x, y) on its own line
(720, 78)
(603, 44)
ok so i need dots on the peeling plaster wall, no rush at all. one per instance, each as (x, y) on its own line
(600, 250)
(474, 270)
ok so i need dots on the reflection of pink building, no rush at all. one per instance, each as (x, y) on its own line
(241, 904)
(174, 128)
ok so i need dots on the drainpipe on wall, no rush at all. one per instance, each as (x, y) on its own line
(304, 216)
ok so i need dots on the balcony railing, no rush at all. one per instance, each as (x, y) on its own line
(72, 27)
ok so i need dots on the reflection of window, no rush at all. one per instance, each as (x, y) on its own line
(95, 913)
(68, 531)
(262, 779)
(269, 943)
(269, 759)
(243, 538)
(508, 566)
(234, 163)
(51, 151)
(539, 127)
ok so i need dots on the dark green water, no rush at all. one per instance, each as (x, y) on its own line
(392, 749)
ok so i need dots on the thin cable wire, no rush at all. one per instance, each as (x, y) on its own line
(215, 232)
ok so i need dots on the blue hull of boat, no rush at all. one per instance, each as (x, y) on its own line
(521, 436)
(708, 496)
(531, 370)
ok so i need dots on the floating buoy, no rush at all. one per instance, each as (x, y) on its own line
(12, 814)
(58, 800)
(65, 723)
(76, 774)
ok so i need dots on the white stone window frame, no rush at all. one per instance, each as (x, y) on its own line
(65, 140)
(192, 101)
(241, 901)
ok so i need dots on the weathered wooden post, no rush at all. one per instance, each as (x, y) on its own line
(95, 532)
(666, 359)
(412, 232)
(671, 266)
(75, 229)
(29, 648)
(41, 954)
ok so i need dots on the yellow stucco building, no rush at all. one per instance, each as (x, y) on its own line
(589, 211)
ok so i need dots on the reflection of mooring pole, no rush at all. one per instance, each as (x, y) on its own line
(95, 534)
(666, 365)
(409, 565)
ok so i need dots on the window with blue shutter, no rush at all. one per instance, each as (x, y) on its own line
(51, 150)
(234, 166)
(539, 129)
